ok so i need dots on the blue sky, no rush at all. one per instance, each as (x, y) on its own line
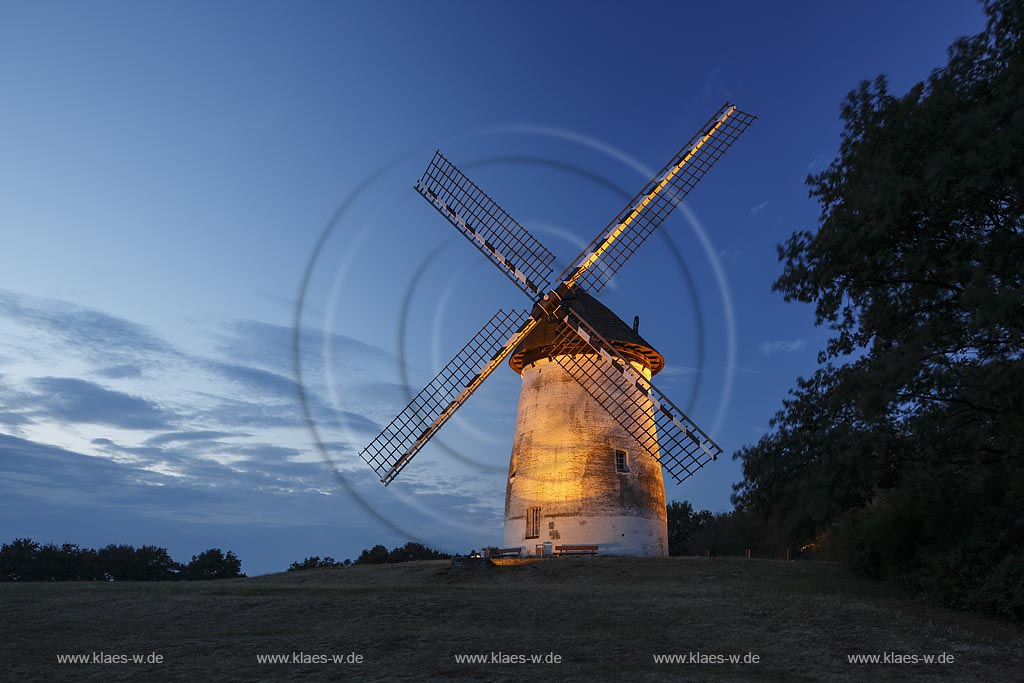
(167, 171)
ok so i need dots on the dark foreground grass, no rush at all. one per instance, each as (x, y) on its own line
(605, 618)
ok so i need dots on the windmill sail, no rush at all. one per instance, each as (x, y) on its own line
(667, 433)
(478, 218)
(396, 445)
(660, 427)
(607, 253)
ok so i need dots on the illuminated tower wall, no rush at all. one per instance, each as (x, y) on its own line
(567, 484)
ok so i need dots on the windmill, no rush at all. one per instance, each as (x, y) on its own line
(593, 433)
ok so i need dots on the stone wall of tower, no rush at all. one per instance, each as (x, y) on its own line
(563, 462)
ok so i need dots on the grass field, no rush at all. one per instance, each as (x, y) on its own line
(604, 617)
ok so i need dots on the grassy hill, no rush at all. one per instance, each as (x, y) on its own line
(604, 617)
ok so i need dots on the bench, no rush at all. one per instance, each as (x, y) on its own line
(576, 550)
(505, 552)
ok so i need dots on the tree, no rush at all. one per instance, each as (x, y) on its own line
(378, 554)
(155, 564)
(126, 563)
(26, 560)
(17, 558)
(409, 552)
(413, 552)
(315, 562)
(906, 443)
(681, 525)
(725, 533)
(213, 564)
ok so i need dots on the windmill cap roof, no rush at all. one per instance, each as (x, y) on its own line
(539, 343)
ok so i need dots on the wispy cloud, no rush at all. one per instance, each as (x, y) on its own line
(266, 344)
(140, 420)
(166, 494)
(176, 437)
(678, 372)
(14, 406)
(13, 420)
(227, 465)
(260, 392)
(255, 379)
(816, 163)
(66, 399)
(714, 83)
(95, 335)
(731, 255)
(759, 208)
(120, 372)
(781, 346)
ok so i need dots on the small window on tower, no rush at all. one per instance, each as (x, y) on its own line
(533, 522)
(621, 461)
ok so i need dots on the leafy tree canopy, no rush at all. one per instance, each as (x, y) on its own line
(410, 552)
(213, 564)
(315, 562)
(26, 560)
(907, 440)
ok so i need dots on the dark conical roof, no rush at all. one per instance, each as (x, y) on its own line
(538, 344)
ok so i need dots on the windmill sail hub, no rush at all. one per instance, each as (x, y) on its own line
(540, 343)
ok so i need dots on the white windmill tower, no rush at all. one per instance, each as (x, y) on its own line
(593, 433)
